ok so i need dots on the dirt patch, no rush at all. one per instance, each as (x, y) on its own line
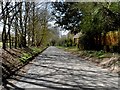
(112, 63)
(10, 60)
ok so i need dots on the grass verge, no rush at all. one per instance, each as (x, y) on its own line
(14, 59)
(107, 60)
(29, 53)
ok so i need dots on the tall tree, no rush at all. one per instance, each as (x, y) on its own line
(67, 15)
(98, 19)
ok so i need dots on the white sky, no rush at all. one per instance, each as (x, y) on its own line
(62, 32)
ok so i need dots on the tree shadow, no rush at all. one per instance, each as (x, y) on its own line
(72, 87)
(42, 80)
(11, 53)
(59, 77)
(9, 86)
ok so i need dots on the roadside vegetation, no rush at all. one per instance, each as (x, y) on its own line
(14, 59)
(107, 60)
(26, 33)
(98, 23)
(98, 27)
(28, 53)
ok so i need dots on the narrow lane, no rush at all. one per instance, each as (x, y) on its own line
(57, 69)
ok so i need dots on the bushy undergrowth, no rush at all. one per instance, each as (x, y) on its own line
(104, 59)
(14, 59)
(25, 56)
(88, 53)
(29, 53)
(98, 54)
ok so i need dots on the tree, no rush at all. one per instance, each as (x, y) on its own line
(67, 16)
(23, 25)
(4, 17)
(98, 19)
(7, 18)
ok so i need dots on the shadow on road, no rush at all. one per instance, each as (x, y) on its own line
(48, 80)
(55, 69)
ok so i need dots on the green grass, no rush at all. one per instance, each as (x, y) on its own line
(35, 50)
(87, 53)
(68, 48)
(97, 54)
(25, 57)
(28, 53)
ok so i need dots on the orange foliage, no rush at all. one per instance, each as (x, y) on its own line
(112, 38)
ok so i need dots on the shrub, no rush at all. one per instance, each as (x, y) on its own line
(25, 57)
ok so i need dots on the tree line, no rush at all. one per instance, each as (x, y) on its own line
(24, 24)
(94, 19)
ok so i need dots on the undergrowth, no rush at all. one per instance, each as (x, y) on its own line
(88, 53)
(29, 53)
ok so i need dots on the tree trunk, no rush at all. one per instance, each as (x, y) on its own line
(4, 37)
(33, 33)
(16, 33)
(23, 39)
(9, 36)
(29, 29)
(12, 41)
(106, 47)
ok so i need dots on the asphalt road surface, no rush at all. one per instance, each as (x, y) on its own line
(56, 69)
